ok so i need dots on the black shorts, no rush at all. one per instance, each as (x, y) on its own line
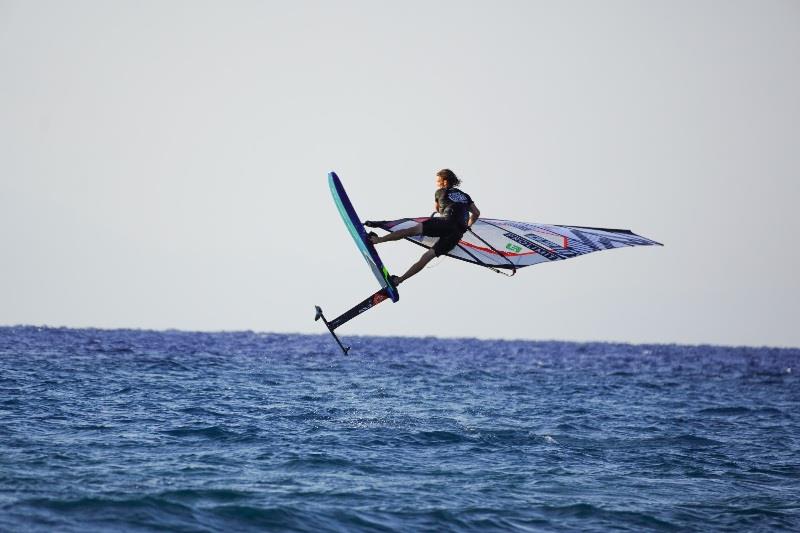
(449, 234)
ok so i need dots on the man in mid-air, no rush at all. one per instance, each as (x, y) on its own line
(458, 212)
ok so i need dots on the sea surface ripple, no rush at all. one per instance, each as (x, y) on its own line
(129, 430)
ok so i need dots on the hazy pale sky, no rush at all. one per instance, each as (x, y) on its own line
(163, 164)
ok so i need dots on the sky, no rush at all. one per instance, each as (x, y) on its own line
(163, 164)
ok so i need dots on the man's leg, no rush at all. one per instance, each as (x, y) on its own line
(419, 265)
(416, 229)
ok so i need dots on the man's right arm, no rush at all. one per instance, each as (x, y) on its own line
(474, 213)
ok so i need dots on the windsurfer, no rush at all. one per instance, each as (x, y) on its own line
(458, 212)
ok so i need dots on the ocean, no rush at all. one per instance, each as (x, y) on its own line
(128, 430)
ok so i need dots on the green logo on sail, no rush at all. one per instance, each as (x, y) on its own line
(514, 248)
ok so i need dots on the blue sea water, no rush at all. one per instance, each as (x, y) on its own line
(152, 431)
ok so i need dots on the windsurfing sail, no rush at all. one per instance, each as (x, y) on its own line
(505, 245)
(367, 249)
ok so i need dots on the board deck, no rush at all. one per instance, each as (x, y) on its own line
(356, 229)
